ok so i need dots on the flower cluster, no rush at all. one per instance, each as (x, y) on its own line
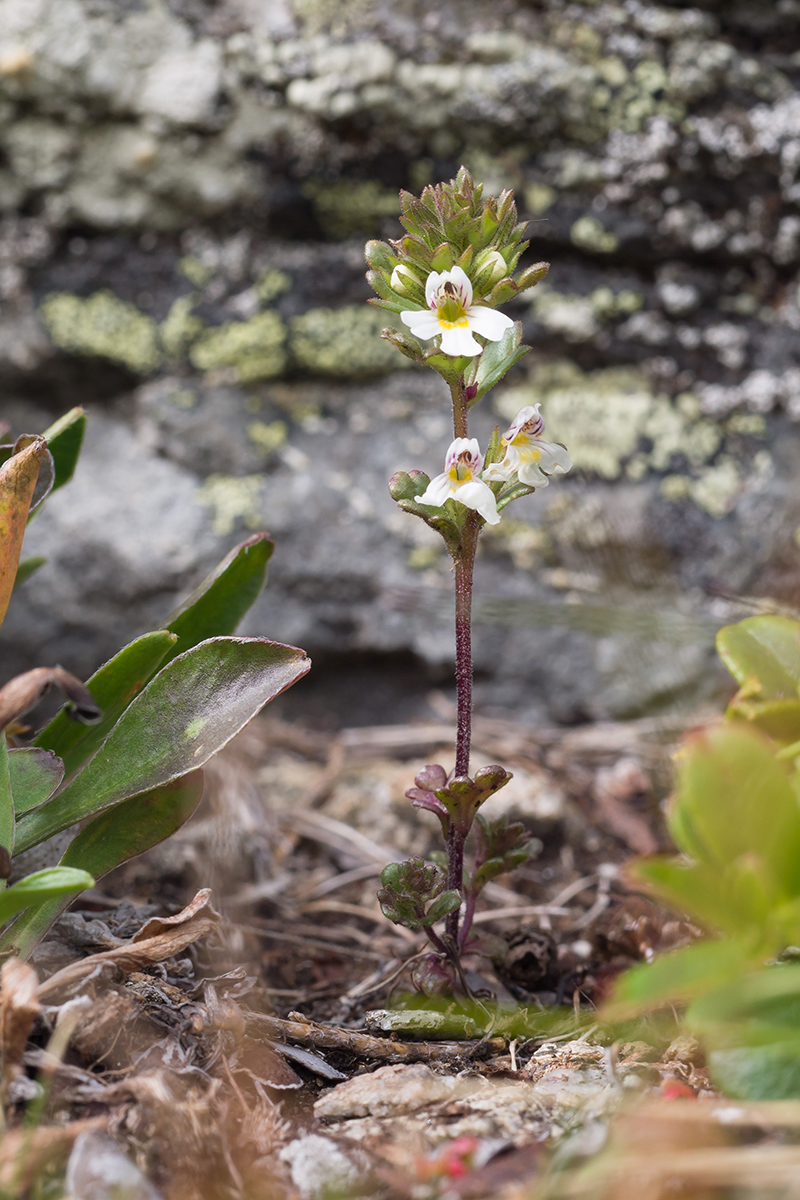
(527, 459)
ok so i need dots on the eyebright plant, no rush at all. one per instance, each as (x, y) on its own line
(122, 757)
(457, 262)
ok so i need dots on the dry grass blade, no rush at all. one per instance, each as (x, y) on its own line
(19, 1007)
(158, 939)
(26, 1153)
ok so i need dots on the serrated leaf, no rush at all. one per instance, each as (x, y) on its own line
(217, 606)
(188, 712)
(42, 886)
(764, 649)
(34, 775)
(113, 687)
(64, 440)
(498, 358)
(111, 839)
(446, 903)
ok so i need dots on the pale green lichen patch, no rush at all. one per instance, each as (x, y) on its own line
(271, 284)
(268, 436)
(232, 500)
(104, 326)
(195, 270)
(344, 208)
(180, 327)
(343, 343)
(615, 425)
(588, 234)
(579, 318)
(253, 349)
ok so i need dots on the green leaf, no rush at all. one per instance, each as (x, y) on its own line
(64, 440)
(779, 719)
(217, 606)
(113, 688)
(6, 801)
(738, 803)
(35, 774)
(446, 903)
(192, 708)
(770, 1072)
(40, 887)
(763, 652)
(27, 568)
(130, 829)
(680, 976)
(498, 358)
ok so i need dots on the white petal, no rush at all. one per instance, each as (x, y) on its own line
(461, 446)
(459, 277)
(532, 475)
(459, 341)
(421, 323)
(437, 491)
(480, 497)
(432, 285)
(488, 322)
(554, 460)
(499, 472)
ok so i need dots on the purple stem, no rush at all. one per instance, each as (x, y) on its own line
(464, 564)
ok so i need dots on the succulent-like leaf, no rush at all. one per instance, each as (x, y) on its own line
(34, 774)
(113, 687)
(192, 708)
(763, 652)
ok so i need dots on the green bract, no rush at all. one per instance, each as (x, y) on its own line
(124, 757)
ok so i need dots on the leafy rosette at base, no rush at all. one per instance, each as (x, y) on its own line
(413, 895)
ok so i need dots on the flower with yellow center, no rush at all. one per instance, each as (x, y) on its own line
(453, 317)
(461, 481)
(527, 455)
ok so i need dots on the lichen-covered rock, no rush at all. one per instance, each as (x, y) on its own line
(184, 194)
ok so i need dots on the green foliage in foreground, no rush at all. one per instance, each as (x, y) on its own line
(735, 817)
(122, 757)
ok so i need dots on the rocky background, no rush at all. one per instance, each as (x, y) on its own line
(185, 189)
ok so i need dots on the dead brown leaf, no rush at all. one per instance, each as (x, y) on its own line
(19, 1007)
(24, 691)
(158, 939)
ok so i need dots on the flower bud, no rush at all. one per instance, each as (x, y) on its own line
(488, 269)
(406, 282)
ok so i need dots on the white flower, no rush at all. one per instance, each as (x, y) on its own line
(461, 481)
(526, 454)
(453, 316)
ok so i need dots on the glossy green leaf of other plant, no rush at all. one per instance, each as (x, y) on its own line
(219, 603)
(738, 802)
(113, 688)
(192, 708)
(680, 976)
(752, 1030)
(18, 476)
(6, 802)
(130, 828)
(765, 650)
(779, 719)
(26, 568)
(64, 440)
(35, 774)
(713, 897)
(42, 886)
